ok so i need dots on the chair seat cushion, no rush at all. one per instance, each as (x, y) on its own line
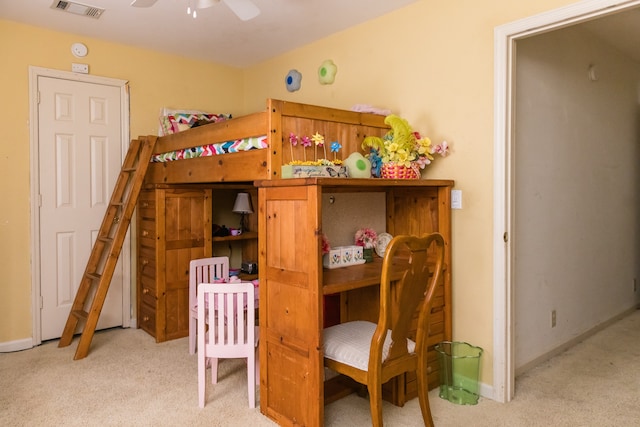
(349, 343)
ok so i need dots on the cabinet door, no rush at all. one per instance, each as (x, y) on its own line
(291, 306)
(186, 236)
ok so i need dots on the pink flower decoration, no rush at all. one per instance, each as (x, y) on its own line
(366, 237)
(306, 141)
(442, 149)
(293, 139)
(325, 244)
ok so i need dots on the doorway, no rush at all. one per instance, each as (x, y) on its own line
(79, 134)
(504, 87)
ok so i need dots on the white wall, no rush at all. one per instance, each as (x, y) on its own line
(577, 203)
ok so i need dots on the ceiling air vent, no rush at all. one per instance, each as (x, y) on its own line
(77, 8)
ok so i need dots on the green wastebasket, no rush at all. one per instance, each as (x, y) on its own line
(459, 368)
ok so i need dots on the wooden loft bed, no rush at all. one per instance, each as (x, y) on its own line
(276, 123)
(182, 199)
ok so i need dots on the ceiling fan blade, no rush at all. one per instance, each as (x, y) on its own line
(203, 4)
(143, 3)
(244, 9)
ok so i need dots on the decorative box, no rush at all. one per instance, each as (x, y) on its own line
(343, 256)
(304, 171)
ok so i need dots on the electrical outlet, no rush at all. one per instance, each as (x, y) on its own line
(553, 318)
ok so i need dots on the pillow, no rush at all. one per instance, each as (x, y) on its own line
(177, 122)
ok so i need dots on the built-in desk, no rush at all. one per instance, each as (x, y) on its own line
(293, 285)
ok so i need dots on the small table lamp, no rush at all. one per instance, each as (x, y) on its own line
(243, 207)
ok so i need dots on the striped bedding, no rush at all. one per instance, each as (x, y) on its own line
(237, 146)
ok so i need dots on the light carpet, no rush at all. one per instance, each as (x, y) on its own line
(129, 380)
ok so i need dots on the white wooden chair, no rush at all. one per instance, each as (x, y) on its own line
(373, 353)
(203, 270)
(226, 329)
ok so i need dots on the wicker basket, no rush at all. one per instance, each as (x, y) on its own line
(392, 170)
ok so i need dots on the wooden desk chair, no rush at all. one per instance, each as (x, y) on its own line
(203, 270)
(226, 329)
(372, 353)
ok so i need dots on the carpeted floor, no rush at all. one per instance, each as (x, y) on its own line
(129, 380)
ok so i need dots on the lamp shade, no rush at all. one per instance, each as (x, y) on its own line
(243, 204)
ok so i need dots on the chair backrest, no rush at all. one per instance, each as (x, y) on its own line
(228, 311)
(206, 270)
(420, 261)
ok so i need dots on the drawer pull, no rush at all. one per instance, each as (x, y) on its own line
(145, 291)
(145, 319)
(145, 204)
(145, 261)
(145, 233)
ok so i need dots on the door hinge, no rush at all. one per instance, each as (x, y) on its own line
(505, 237)
(41, 302)
(38, 98)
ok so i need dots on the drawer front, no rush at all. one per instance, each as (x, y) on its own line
(147, 261)
(148, 292)
(147, 232)
(147, 204)
(147, 319)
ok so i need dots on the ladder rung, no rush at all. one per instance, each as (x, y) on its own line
(108, 240)
(132, 169)
(118, 203)
(80, 314)
(94, 276)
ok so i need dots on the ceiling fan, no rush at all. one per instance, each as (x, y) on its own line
(244, 9)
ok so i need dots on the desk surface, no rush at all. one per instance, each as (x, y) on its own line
(355, 276)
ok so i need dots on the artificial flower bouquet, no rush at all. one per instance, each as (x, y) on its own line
(366, 237)
(314, 166)
(401, 147)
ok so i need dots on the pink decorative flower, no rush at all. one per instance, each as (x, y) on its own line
(366, 237)
(325, 244)
(442, 149)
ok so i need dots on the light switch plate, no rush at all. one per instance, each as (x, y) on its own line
(80, 68)
(456, 199)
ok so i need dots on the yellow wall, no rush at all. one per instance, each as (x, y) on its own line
(431, 62)
(156, 81)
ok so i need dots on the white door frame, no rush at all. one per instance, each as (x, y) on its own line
(505, 37)
(125, 254)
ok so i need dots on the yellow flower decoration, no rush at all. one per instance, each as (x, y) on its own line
(318, 139)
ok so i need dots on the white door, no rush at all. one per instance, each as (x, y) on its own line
(80, 156)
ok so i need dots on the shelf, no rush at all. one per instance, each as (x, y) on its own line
(247, 277)
(248, 235)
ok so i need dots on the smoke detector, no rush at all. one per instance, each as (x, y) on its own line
(77, 8)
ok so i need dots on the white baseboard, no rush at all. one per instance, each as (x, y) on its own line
(572, 342)
(17, 345)
(487, 391)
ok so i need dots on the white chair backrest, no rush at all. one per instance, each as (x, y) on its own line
(206, 270)
(229, 310)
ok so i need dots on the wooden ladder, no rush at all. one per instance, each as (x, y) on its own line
(101, 265)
